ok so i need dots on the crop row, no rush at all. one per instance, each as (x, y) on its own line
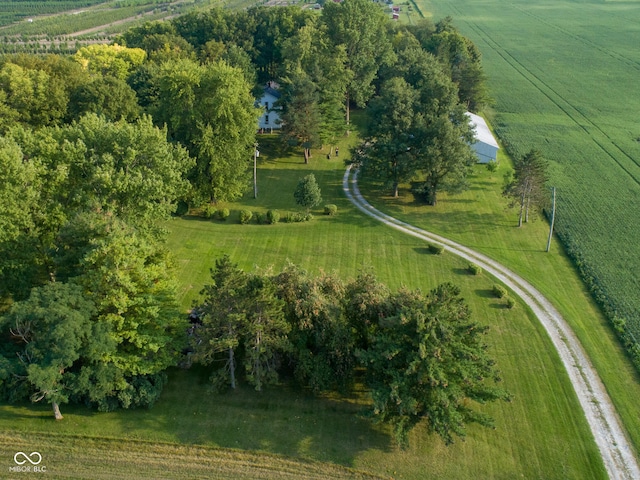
(575, 104)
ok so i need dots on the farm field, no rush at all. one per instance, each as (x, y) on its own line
(564, 77)
(540, 434)
(13, 11)
(82, 18)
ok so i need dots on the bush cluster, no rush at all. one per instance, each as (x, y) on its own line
(296, 217)
(436, 249)
(208, 211)
(499, 291)
(273, 217)
(474, 269)
(245, 216)
(330, 209)
(222, 214)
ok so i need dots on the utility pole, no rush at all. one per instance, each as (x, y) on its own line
(553, 217)
(256, 154)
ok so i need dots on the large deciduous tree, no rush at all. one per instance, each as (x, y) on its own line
(19, 191)
(301, 118)
(46, 341)
(423, 132)
(426, 361)
(388, 151)
(323, 342)
(526, 187)
(113, 60)
(359, 26)
(32, 96)
(210, 110)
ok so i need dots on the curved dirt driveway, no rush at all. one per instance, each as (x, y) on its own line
(617, 453)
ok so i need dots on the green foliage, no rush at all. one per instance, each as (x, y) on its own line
(527, 187)
(436, 249)
(474, 269)
(222, 214)
(417, 128)
(297, 217)
(19, 192)
(358, 25)
(110, 97)
(510, 302)
(241, 310)
(492, 166)
(426, 360)
(322, 353)
(31, 96)
(272, 217)
(209, 109)
(51, 335)
(245, 216)
(110, 60)
(330, 209)
(208, 211)
(300, 116)
(307, 193)
(499, 291)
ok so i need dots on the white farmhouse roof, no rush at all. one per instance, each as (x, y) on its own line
(483, 134)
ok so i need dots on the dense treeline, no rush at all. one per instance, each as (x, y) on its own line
(422, 355)
(99, 147)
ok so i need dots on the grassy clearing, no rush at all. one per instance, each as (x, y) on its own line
(564, 78)
(541, 434)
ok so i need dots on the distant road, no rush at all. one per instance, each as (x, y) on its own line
(617, 453)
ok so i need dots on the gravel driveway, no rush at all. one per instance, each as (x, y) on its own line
(617, 453)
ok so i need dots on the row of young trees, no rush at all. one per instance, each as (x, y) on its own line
(422, 355)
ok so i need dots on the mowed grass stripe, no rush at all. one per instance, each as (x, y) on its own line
(89, 457)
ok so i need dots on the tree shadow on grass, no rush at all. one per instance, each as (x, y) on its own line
(461, 271)
(281, 420)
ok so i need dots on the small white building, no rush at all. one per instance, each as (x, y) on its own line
(486, 147)
(270, 117)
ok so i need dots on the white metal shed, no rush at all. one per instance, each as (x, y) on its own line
(486, 147)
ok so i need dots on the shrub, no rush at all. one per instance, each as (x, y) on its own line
(436, 249)
(182, 208)
(273, 217)
(474, 269)
(208, 211)
(294, 217)
(499, 291)
(245, 216)
(259, 217)
(330, 209)
(308, 217)
(222, 214)
(492, 166)
(510, 302)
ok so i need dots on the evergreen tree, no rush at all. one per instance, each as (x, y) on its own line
(425, 361)
(307, 193)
